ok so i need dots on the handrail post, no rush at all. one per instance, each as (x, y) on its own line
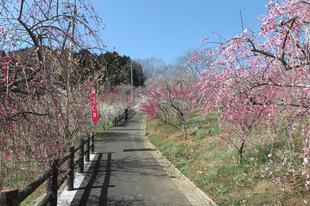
(81, 156)
(52, 184)
(9, 198)
(92, 144)
(70, 168)
(87, 156)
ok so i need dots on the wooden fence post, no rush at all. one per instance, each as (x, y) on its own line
(81, 156)
(126, 114)
(70, 168)
(9, 198)
(115, 122)
(92, 144)
(52, 184)
(87, 156)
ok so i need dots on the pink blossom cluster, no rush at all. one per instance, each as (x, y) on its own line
(168, 98)
(113, 103)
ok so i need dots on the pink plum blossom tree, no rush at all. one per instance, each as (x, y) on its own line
(261, 81)
(41, 104)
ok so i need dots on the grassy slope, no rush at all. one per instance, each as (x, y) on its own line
(216, 170)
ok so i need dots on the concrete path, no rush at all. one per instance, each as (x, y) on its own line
(128, 171)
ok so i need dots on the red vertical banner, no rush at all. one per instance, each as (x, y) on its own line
(93, 104)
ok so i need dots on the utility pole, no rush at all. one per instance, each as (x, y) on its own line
(68, 69)
(131, 81)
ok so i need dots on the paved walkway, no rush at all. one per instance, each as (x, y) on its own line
(128, 171)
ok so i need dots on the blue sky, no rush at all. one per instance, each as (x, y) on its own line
(168, 28)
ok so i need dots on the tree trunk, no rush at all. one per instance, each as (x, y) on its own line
(185, 129)
(241, 152)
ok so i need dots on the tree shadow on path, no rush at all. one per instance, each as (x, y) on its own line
(94, 188)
